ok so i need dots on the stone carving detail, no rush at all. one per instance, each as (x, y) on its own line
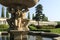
(17, 20)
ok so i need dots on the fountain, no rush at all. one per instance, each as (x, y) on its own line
(18, 22)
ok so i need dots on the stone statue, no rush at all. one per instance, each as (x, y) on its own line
(17, 20)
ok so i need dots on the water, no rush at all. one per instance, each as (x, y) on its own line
(38, 38)
(5, 37)
(47, 39)
(29, 37)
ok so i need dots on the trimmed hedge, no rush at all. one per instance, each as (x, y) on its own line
(47, 27)
(32, 28)
(4, 27)
(36, 27)
(56, 30)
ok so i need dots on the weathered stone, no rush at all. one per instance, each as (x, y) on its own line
(19, 35)
(14, 3)
(18, 8)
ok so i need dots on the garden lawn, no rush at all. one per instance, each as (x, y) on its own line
(56, 30)
(4, 27)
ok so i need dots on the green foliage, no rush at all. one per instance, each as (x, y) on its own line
(7, 14)
(47, 27)
(29, 15)
(32, 28)
(39, 15)
(45, 18)
(2, 14)
(39, 8)
(32, 16)
(3, 27)
(38, 12)
(56, 30)
(58, 23)
(36, 27)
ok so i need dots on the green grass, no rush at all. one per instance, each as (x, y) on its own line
(56, 30)
(32, 28)
(4, 27)
(53, 30)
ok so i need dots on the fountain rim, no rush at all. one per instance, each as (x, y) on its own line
(14, 3)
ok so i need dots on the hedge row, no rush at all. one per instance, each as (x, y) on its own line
(4, 27)
(34, 27)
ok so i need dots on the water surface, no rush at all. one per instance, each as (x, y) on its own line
(29, 37)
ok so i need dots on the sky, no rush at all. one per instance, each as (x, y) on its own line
(51, 8)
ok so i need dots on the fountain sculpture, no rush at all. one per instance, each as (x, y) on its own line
(18, 22)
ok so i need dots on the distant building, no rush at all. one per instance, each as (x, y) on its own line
(43, 22)
(3, 21)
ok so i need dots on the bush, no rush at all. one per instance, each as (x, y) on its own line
(32, 28)
(36, 27)
(47, 27)
(58, 25)
(4, 27)
(56, 30)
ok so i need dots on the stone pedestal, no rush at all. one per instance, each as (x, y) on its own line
(18, 35)
(17, 22)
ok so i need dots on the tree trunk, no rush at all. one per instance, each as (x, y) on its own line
(38, 23)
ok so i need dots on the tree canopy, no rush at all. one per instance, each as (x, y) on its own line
(2, 14)
(7, 14)
(39, 14)
(28, 15)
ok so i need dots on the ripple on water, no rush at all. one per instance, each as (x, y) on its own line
(30, 38)
(46, 38)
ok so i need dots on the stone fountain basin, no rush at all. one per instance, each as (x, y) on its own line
(14, 3)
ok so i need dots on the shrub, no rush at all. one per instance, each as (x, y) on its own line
(57, 26)
(47, 27)
(32, 28)
(4, 27)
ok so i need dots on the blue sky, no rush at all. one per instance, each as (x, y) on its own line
(51, 8)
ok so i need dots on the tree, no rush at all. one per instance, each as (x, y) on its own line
(28, 15)
(38, 15)
(32, 16)
(45, 18)
(7, 14)
(2, 14)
